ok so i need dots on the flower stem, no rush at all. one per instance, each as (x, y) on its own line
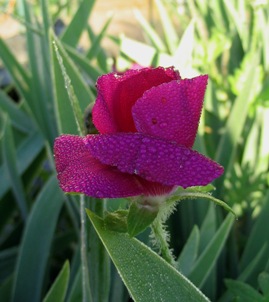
(86, 292)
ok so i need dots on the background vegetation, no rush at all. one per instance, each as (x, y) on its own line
(40, 234)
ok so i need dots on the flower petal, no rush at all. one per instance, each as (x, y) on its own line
(117, 93)
(79, 172)
(172, 110)
(154, 159)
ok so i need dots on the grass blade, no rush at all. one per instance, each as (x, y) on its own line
(19, 118)
(58, 289)
(74, 30)
(9, 156)
(170, 34)
(208, 258)
(189, 252)
(25, 154)
(36, 242)
(19, 75)
(72, 94)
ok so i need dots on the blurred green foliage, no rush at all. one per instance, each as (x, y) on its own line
(40, 226)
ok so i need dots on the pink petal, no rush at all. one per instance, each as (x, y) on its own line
(117, 93)
(79, 172)
(154, 159)
(172, 110)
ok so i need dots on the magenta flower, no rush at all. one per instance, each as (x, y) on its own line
(147, 120)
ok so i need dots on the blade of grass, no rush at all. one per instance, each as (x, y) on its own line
(93, 72)
(58, 289)
(75, 28)
(189, 252)
(257, 236)
(19, 119)
(40, 85)
(209, 256)
(38, 233)
(234, 126)
(95, 45)
(19, 75)
(9, 156)
(170, 34)
(24, 154)
(150, 32)
(72, 94)
(101, 55)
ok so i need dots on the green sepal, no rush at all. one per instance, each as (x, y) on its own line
(140, 217)
(116, 221)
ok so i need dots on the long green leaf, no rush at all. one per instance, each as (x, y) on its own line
(95, 46)
(19, 118)
(73, 31)
(24, 154)
(189, 252)
(68, 81)
(170, 34)
(150, 32)
(258, 235)
(147, 276)
(9, 156)
(41, 101)
(19, 75)
(209, 256)
(36, 243)
(58, 289)
(243, 291)
(234, 126)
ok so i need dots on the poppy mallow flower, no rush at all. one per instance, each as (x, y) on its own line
(147, 121)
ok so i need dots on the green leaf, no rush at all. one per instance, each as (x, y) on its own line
(24, 154)
(75, 28)
(7, 262)
(95, 45)
(258, 236)
(92, 72)
(19, 119)
(189, 252)
(19, 75)
(36, 243)
(9, 156)
(40, 67)
(140, 217)
(243, 291)
(58, 289)
(72, 94)
(264, 283)
(170, 34)
(146, 275)
(209, 256)
(234, 126)
(150, 32)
